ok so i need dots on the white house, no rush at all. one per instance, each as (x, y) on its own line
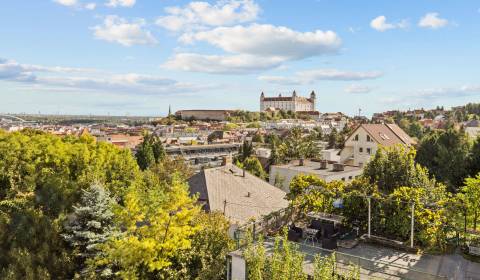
(282, 175)
(364, 141)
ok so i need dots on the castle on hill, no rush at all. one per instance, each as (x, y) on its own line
(292, 103)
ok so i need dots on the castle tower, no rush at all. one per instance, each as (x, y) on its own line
(262, 97)
(313, 98)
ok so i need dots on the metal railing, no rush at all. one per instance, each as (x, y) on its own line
(369, 269)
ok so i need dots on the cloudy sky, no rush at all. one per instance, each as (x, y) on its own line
(137, 57)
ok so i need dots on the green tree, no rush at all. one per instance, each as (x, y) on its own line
(90, 224)
(394, 167)
(253, 166)
(230, 126)
(296, 145)
(41, 178)
(474, 158)
(150, 151)
(332, 139)
(206, 259)
(258, 138)
(471, 189)
(246, 150)
(445, 154)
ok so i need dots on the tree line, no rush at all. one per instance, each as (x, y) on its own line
(71, 208)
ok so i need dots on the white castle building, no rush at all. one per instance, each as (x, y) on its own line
(292, 103)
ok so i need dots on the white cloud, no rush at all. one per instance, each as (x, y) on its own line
(121, 3)
(14, 71)
(220, 64)
(90, 6)
(119, 30)
(432, 20)
(462, 91)
(380, 24)
(69, 3)
(311, 76)
(203, 14)
(65, 78)
(268, 41)
(425, 97)
(355, 88)
(253, 48)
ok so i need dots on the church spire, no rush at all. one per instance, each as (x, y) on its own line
(169, 110)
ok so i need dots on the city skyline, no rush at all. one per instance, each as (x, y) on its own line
(138, 57)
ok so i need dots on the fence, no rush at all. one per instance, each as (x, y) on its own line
(369, 269)
(269, 224)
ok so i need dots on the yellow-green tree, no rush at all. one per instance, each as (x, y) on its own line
(157, 222)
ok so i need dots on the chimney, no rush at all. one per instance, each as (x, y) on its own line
(248, 194)
(301, 162)
(338, 167)
(323, 164)
(226, 160)
(243, 172)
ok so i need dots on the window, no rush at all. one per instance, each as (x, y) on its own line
(355, 138)
(343, 179)
(369, 151)
(384, 136)
(349, 177)
(369, 139)
(360, 150)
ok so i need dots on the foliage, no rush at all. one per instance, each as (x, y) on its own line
(230, 126)
(255, 124)
(41, 177)
(53, 222)
(206, 259)
(474, 158)
(151, 151)
(296, 145)
(471, 191)
(246, 150)
(258, 138)
(445, 154)
(286, 262)
(90, 224)
(391, 212)
(395, 166)
(157, 222)
(253, 166)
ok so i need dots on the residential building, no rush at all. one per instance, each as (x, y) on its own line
(282, 175)
(212, 115)
(364, 141)
(122, 140)
(239, 195)
(292, 103)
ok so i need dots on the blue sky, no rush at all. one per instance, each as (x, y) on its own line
(138, 56)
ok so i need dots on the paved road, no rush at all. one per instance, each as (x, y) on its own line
(385, 263)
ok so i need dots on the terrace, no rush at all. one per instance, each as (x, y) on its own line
(323, 234)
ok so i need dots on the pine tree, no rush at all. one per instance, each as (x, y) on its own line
(90, 224)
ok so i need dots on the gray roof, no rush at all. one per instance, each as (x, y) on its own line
(313, 167)
(246, 197)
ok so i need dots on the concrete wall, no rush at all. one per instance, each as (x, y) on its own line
(238, 268)
(287, 174)
(219, 115)
(358, 148)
